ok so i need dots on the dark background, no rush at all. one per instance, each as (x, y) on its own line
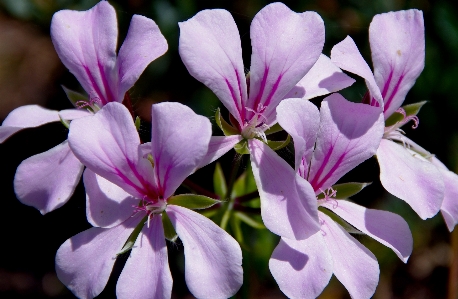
(30, 72)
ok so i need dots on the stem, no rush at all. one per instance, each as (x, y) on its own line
(198, 189)
(453, 272)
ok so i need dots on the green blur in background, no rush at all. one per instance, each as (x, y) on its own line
(31, 73)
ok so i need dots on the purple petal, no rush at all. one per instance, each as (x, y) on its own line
(84, 262)
(179, 140)
(70, 114)
(449, 206)
(354, 265)
(211, 51)
(28, 116)
(302, 269)
(143, 44)
(218, 146)
(108, 144)
(47, 180)
(285, 47)
(107, 205)
(398, 52)
(346, 56)
(349, 134)
(301, 120)
(146, 273)
(288, 203)
(213, 259)
(323, 78)
(388, 228)
(411, 178)
(86, 43)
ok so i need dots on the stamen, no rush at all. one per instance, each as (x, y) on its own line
(255, 127)
(94, 103)
(329, 195)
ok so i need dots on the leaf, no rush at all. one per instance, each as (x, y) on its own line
(274, 129)
(224, 126)
(346, 190)
(239, 188)
(242, 147)
(133, 236)
(249, 220)
(192, 201)
(219, 181)
(169, 231)
(276, 145)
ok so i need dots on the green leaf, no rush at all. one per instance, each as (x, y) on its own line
(192, 201)
(169, 231)
(346, 190)
(74, 96)
(133, 236)
(239, 188)
(249, 220)
(347, 226)
(236, 227)
(219, 181)
(224, 126)
(242, 147)
(276, 145)
(274, 129)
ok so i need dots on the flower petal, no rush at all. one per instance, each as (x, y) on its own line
(411, 178)
(143, 44)
(146, 273)
(107, 205)
(28, 116)
(218, 146)
(71, 114)
(449, 206)
(347, 56)
(301, 119)
(323, 78)
(354, 265)
(285, 47)
(388, 228)
(108, 144)
(302, 269)
(84, 262)
(86, 43)
(398, 53)
(343, 142)
(288, 203)
(213, 259)
(47, 180)
(210, 49)
(179, 140)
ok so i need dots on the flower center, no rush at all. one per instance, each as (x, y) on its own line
(151, 208)
(257, 125)
(93, 103)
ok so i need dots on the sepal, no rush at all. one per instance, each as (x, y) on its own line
(277, 145)
(75, 97)
(133, 236)
(410, 110)
(192, 201)
(224, 126)
(242, 147)
(346, 190)
(169, 231)
(219, 181)
(344, 224)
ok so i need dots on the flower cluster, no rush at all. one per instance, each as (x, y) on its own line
(133, 200)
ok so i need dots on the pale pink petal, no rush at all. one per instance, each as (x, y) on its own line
(108, 144)
(449, 208)
(179, 142)
(302, 269)
(211, 51)
(84, 262)
(398, 53)
(354, 265)
(285, 47)
(349, 134)
(218, 146)
(107, 205)
(347, 56)
(411, 178)
(288, 203)
(28, 116)
(144, 43)
(323, 78)
(388, 228)
(70, 114)
(301, 119)
(146, 273)
(86, 43)
(47, 180)
(213, 259)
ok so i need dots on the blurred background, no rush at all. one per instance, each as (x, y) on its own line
(31, 73)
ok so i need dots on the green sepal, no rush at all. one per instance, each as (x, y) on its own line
(224, 126)
(133, 236)
(346, 190)
(248, 220)
(347, 226)
(219, 181)
(411, 109)
(242, 147)
(192, 201)
(169, 231)
(137, 123)
(74, 96)
(66, 123)
(274, 129)
(276, 145)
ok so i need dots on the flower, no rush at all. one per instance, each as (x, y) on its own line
(327, 145)
(86, 43)
(406, 170)
(134, 183)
